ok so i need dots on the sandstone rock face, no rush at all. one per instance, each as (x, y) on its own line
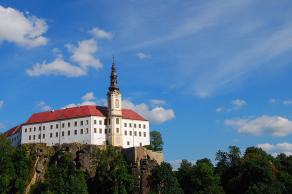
(140, 160)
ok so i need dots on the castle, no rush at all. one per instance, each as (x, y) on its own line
(95, 125)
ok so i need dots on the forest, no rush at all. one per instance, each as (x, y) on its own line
(250, 172)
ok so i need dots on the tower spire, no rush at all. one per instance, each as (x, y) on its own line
(114, 78)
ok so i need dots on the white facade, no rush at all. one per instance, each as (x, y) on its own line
(86, 130)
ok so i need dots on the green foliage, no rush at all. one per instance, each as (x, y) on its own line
(62, 177)
(199, 178)
(112, 173)
(163, 180)
(14, 168)
(156, 142)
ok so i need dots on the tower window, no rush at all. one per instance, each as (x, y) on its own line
(117, 121)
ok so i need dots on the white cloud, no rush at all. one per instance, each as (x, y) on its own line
(21, 29)
(56, 67)
(276, 149)
(155, 114)
(100, 33)
(219, 109)
(43, 106)
(89, 96)
(175, 163)
(287, 102)
(272, 125)
(157, 102)
(1, 103)
(238, 103)
(142, 55)
(83, 54)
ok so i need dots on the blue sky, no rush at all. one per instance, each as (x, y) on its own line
(208, 74)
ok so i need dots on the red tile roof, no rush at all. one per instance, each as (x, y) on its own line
(77, 112)
(12, 131)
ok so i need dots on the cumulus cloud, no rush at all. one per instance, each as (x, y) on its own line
(82, 58)
(21, 29)
(88, 96)
(157, 102)
(273, 101)
(238, 103)
(1, 103)
(157, 114)
(276, 149)
(56, 67)
(83, 54)
(272, 125)
(142, 55)
(100, 33)
(43, 106)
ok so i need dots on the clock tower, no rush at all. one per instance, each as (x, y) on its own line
(114, 98)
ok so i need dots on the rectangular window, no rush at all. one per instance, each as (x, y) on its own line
(40, 128)
(69, 133)
(125, 124)
(125, 132)
(128, 143)
(130, 124)
(95, 122)
(75, 132)
(139, 125)
(29, 137)
(44, 127)
(56, 134)
(81, 131)
(63, 133)
(109, 121)
(109, 130)
(75, 123)
(51, 127)
(117, 121)
(104, 121)
(87, 130)
(63, 125)
(87, 122)
(81, 122)
(118, 130)
(100, 131)
(135, 125)
(105, 131)
(29, 129)
(25, 130)
(135, 133)
(144, 126)
(100, 122)
(144, 134)
(140, 134)
(130, 133)
(51, 135)
(68, 124)
(57, 126)
(94, 130)
(34, 129)
(44, 136)
(33, 137)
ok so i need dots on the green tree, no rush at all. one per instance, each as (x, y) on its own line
(163, 180)
(112, 173)
(156, 142)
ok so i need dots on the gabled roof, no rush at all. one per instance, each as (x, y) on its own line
(12, 131)
(77, 112)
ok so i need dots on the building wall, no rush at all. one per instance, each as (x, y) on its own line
(88, 130)
(135, 133)
(15, 139)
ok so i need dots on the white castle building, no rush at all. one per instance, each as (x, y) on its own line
(90, 124)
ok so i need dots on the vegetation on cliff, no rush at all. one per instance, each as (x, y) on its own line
(253, 172)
